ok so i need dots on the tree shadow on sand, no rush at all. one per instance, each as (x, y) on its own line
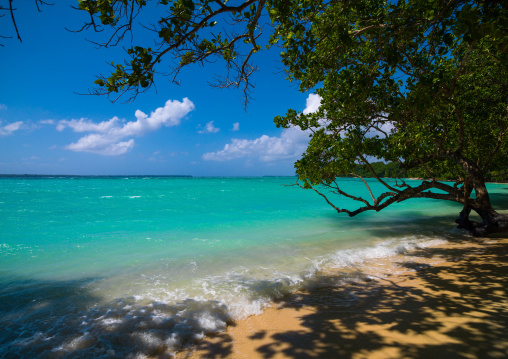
(439, 311)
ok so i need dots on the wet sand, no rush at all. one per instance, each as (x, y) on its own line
(442, 302)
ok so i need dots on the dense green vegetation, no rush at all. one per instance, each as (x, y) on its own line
(394, 170)
(381, 169)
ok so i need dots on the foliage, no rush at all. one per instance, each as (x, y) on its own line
(381, 169)
(421, 83)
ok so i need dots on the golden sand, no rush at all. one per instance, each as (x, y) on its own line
(441, 302)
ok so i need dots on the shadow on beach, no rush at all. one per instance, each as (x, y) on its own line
(30, 315)
(65, 319)
(457, 308)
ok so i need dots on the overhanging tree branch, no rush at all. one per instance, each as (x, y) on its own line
(11, 10)
(184, 35)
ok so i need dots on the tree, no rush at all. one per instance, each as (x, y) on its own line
(421, 83)
(429, 78)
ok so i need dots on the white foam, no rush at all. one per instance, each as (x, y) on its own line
(390, 248)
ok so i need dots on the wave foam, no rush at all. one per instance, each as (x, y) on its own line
(390, 248)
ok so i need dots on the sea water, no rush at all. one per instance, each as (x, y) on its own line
(124, 267)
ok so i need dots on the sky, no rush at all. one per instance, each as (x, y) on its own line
(49, 125)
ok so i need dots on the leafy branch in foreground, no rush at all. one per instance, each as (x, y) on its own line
(185, 34)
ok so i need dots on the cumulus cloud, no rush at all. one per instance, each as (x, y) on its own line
(312, 104)
(236, 126)
(209, 128)
(102, 145)
(290, 145)
(47, 122)
(10, 128)
(107, 137)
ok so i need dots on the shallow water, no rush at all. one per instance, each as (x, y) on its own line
(133, 267)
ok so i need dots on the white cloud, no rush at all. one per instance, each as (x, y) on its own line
(312, 104)
(236, 126)
(10, 128)
(3, 107)
(209, 128)
(100, 144)
(47, 122)
(85, 125)
(289, 146)
(107, 136)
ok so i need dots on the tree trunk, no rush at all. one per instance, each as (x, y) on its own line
(492, 222)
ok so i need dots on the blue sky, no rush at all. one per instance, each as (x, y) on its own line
(47, 127)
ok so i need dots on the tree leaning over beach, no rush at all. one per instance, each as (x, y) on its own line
(423, 83)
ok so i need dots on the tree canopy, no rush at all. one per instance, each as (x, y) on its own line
(419, 83)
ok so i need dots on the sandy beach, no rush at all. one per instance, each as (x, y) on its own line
(440, 302)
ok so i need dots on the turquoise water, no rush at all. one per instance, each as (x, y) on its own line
(133, 267)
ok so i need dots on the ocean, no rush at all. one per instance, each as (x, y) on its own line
(133, 267)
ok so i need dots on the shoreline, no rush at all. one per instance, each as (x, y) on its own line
(445, 301)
